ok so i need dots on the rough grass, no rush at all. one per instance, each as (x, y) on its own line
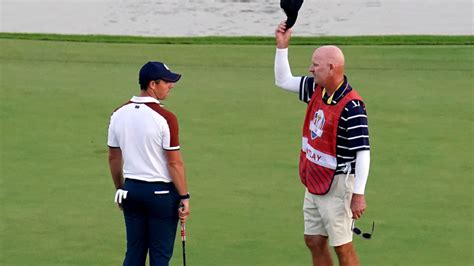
(253, 40)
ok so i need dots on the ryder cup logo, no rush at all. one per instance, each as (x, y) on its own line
(316, 125)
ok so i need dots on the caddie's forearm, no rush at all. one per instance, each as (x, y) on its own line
(176, 170)
(361, 171)
(283, 76)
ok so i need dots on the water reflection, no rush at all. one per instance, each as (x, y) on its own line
(236, 17)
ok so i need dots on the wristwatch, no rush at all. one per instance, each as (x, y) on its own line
(183, 197)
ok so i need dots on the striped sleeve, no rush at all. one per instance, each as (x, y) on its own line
(353, 128)
(306, 89)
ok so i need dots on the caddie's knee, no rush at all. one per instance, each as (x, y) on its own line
(316, 243)
(344, 250)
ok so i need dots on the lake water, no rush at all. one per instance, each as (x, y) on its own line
(236, 17)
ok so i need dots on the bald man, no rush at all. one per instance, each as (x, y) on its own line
(335, 152)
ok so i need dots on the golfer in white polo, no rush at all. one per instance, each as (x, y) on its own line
(147, 168)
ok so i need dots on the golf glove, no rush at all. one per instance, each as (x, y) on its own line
(119, 195)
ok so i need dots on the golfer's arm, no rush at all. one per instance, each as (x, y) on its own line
(115, 165)
(283, 77)
(361, 171)
(176, 170)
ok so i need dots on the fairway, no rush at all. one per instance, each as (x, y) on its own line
(240, 138)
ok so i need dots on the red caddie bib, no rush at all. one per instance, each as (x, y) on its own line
(318, 161)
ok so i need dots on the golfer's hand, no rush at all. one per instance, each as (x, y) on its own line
(358, 205)
(282, 36)
(120, 195)
(183, 210)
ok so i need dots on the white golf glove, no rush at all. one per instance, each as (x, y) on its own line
(119, 195)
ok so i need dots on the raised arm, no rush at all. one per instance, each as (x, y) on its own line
(283, 77)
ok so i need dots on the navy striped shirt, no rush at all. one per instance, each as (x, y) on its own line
(353, 131)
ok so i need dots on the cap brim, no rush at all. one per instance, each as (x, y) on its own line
(172, 77)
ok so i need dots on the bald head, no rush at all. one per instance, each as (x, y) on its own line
(330, 54)
(328, 66)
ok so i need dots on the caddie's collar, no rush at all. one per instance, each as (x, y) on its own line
(341, 90)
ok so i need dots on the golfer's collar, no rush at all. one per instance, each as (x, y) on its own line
(146, 99)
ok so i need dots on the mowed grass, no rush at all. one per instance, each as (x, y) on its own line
(240, 138)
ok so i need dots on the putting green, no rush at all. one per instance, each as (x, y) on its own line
(240, 137)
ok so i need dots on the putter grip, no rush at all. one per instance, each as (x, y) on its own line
(183, 232)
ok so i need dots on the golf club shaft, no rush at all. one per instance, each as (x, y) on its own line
(183, 241)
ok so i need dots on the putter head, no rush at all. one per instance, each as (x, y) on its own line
(291, 8)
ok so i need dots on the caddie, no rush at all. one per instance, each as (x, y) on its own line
(335, 151)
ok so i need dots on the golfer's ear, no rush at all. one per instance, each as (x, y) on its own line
(154, 81)
(149, 84)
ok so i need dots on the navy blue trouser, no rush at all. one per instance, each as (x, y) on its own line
(151, 219)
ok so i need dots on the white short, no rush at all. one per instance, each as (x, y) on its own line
(330, 214)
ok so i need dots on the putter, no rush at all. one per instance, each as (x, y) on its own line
(183, 241)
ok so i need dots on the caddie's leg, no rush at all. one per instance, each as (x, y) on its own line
(318, 245)
(341, 217)
(315, 234)
(347, 255)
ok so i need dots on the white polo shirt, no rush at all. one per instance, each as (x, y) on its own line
(144, 131)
